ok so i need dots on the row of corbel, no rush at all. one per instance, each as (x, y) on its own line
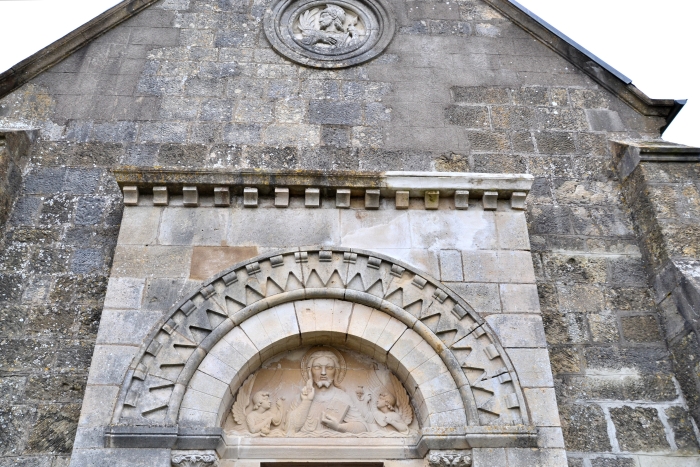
(312, 198)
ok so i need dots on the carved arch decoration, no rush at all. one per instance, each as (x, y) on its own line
(171, 358)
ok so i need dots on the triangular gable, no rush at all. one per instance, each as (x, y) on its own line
(602, 73)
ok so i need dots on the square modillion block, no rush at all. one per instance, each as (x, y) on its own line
(342, 198)
(190, 196)
(517, 200)
(160, 196)
(490, 200)
(222, 196)
(461, 199)
(131, 195)
(250, 197)
(312, 198)
(281, 197)
(403, 198)
(432, 199)
(371, 199)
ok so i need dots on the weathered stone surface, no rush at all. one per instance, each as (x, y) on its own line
(639, 429)
(584, 427)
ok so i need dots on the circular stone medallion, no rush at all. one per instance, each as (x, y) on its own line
(333, 34)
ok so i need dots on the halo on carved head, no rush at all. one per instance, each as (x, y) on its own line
(307, 360)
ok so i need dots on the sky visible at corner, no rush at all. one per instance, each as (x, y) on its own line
(656, 44)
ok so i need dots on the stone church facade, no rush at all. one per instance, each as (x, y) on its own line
(256, 233)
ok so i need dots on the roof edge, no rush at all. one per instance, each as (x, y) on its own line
(50, 55)
(597, 69)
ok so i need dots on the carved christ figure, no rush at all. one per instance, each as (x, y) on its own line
(322, 403)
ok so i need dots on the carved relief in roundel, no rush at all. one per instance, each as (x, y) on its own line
(329, 34)
(325, 392)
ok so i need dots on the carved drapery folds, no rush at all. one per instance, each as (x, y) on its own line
(265, 288)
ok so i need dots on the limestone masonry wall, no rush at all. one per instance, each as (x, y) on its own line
(193, 83)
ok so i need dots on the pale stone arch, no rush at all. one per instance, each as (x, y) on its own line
(156, 385)
(210, 391)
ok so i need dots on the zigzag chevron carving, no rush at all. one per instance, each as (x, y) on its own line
(150, 395)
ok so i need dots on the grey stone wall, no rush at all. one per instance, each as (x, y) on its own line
(192, 83)
(666, 204)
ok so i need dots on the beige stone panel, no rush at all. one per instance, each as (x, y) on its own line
(403, 346)
(110, 363)
(201, 226)
(126, 326)
(240, 341)
(453, 418)
(374, 229)
(427, 371)
(202, 382)
(358, 323)
(215, 367)
(151, 261)
(518, 330)
(416, 357)
(192, 417)
(516, 267)
(98, 405)
(512, 230)
(445, 402)
(124, 292)
(540, 457)
(323, 313)
(542, 403)
(520, 298)
(306, 316)
(452, 230)
(481, 266)
(422, 260)
(139, 226)
(550, 437)
(280, 228)
(200, 401)
(208, 261)
(281, 326)
(484, 298)
(532, 367)
(391, 333)
(375, 327)
(438, 385)
(255, 330)
(342, 311)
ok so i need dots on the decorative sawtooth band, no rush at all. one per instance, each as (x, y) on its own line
(422, 308)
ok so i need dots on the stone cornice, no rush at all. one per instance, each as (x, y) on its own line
(628, 154)
(316, 184)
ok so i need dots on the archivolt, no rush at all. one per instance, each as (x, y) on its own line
(154, 387)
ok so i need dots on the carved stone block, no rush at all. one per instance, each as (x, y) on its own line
(517, 201)
(160, 196)
(449, 459)
(250, 197)
(194, 460)
(461, 199)
(190, 196)
(131, 195)
(432, 199)
(342, 199)
(490, 200)
(281, 197)
(402, 199)
(222, 196)
(312, 198)
(371, 199)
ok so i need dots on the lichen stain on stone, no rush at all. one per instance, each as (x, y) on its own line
(29, 103)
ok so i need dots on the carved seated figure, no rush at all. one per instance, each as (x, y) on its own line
(322, 403)
(386, 413)
(331, 29)
(263, 416)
